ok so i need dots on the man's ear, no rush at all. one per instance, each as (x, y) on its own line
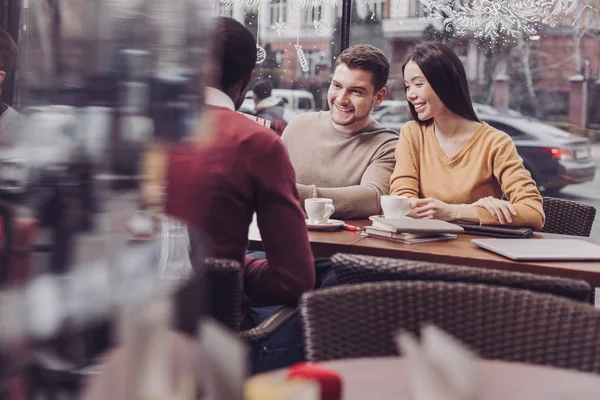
(379, 97)
(2, 77)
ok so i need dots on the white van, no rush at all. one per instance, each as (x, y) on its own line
(295, 102)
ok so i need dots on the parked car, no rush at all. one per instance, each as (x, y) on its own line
(554, 157)
(386, 105)
(294, 102)
(48, 168)
(393, 115)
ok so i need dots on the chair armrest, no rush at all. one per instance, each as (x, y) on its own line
(269, 325)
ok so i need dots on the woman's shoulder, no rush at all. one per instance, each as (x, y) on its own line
(493, 134)
(412, 129)
(495, 137)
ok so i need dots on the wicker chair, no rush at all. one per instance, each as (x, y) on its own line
(225, 280)
(498, 323)
(568, 217)
(352, 268)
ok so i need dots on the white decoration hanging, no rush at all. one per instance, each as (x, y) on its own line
(279, 28)
(493, 18)
(308, 4)
(322, 27)
(261, 54)
(243, 3)
(301, 58)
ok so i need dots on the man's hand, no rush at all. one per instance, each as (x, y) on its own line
(501, 210)
(433, 209)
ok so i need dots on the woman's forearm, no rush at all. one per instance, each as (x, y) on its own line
(466, 213)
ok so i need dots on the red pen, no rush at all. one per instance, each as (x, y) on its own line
(351, 228)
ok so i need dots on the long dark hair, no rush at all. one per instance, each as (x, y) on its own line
(446, 75)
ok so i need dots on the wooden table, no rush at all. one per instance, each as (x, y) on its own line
(460, 252)
(323, 243)
(386, 378)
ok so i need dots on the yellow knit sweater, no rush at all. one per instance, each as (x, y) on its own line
(487, 165)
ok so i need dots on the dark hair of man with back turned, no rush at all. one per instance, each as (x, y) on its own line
(236, 47)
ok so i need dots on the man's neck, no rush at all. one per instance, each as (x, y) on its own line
(3, 108)
(354, 128)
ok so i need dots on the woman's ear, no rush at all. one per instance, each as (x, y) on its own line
(2, 77)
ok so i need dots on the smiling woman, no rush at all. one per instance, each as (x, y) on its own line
(452, 166)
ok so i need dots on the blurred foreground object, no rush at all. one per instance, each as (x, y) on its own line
(440, 367)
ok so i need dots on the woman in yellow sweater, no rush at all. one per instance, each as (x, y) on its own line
(451, 165)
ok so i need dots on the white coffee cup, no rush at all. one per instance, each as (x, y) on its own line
(318, 210)
(394, 206)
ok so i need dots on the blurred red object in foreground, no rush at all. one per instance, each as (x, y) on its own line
(329, 380)
(19, 266)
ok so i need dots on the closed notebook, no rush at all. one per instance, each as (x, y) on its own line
(506, 232)
(410, 225)
(407, 238)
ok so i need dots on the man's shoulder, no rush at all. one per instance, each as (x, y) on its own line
(242, 127)
(305, 125)
(310, 117)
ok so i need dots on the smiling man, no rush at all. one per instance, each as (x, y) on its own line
(344, 154)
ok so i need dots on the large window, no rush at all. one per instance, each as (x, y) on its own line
(314, 14)
(300, 41)
(277, 12)
(538, 63)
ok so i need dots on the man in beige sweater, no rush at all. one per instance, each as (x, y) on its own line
(343, 154)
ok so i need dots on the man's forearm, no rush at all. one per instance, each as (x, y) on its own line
(349, 202)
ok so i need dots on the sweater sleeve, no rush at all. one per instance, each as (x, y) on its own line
(405, 178)
(363, 200)
(517, 185)
(288, 270)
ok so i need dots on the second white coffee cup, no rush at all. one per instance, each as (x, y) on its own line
(318, 210)
(394, 206)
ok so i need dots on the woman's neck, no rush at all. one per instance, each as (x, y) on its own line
(450, 126)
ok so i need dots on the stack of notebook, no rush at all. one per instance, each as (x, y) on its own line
(409, 230)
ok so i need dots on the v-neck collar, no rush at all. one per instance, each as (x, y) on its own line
(450, 161)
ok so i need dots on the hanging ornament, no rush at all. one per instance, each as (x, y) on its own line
(322, 27)
(261, 54)
(301, 58)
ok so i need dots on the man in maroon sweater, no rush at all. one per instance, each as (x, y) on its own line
(246, 169)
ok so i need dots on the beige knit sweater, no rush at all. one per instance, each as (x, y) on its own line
(352, 169)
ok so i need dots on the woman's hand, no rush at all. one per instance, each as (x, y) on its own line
(501, 210)
(433, 209)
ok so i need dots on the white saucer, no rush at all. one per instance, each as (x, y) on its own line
(330, 225)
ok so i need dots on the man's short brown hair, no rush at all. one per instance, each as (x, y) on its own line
(367, 58)
(8, 52)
